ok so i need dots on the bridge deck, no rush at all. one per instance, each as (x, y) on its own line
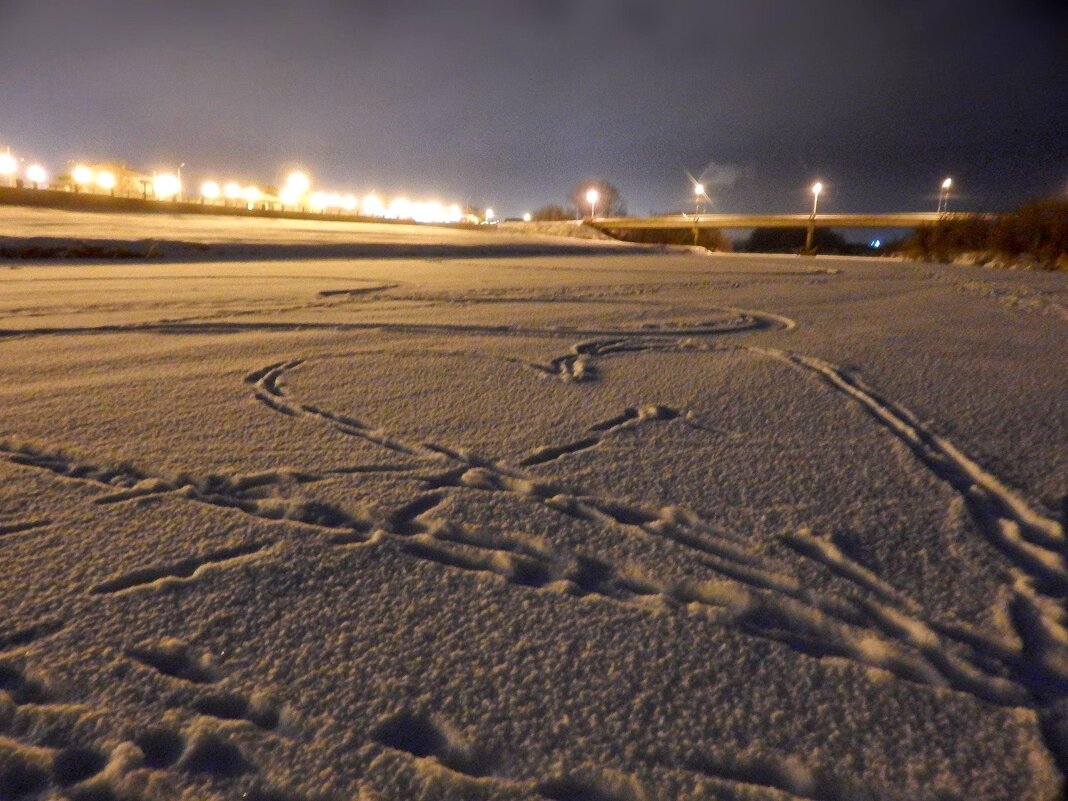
(898, 220)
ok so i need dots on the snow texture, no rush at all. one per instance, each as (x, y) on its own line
(303, 518)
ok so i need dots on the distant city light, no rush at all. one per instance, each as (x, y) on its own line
(295, 193)
(105, 180)
(36, 175)
(372, 205)
(9, 165)
(298, 182)
(528, 217)
(83, 176)
(166, 185)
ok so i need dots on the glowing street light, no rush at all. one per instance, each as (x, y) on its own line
(251, 195)
(298, 182)
(296, 188)
(698, 193)
(83, 176)
(349, 203)
(36, 175)
(9, 166)
(166, 186)
(210, 190)
(943, 196)
(232, 190)
(811, 234)
(592, 197)
(528, 217)
(372, 205)
(106, 181)
(490, 214)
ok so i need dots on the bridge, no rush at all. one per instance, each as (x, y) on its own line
(688, 221)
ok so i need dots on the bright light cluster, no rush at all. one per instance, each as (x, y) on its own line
(86, 177)
(297, 192)
(399, 208)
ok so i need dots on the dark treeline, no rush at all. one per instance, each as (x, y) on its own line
(710, 238)
(1036, 234)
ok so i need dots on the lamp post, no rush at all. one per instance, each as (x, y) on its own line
(180, 181)
(943, 196)
(106, 181)
(210, 191)
(592, 197)
(37, 175)
(83, 177)
(810, 235)
(698, 193)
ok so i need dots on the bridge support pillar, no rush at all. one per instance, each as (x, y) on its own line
(810, 237)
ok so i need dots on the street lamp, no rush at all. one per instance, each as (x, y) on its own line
(943, 196)
(210, 190)
(810, 235)
(83, 176)
(106, 181)
(9, 166)
(592, 197)
(296, 187)
(298, 181)
(698, 193)
(36, 175)
(490, 214)
(372, 205)
(528, 217)
(166, 186)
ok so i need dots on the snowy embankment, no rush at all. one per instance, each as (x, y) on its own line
(32, 234)
(561, 527)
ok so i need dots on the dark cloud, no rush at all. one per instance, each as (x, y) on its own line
(511, 103)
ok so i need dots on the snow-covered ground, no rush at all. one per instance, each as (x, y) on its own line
(196, 236)
(616, 527)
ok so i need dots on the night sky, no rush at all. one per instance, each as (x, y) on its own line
(510, 103)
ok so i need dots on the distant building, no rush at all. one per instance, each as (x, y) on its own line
(106, 178)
